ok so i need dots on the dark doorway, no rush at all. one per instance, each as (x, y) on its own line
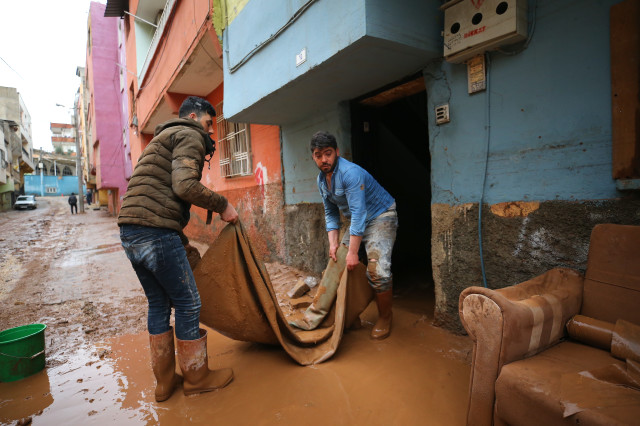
(390, 139)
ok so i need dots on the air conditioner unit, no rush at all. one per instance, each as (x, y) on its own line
(472, 27)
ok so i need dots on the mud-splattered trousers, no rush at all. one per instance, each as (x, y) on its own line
(371, 211)
(160, 261)
(378, 239)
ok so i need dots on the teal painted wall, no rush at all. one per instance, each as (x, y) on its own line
(549, 109)
(64, 185)
(300, 171)
(320, 29)
(366, 42)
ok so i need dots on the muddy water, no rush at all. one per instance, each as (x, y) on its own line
(70, 273)
(418, 376)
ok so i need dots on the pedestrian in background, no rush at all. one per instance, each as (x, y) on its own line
(73, 202)
(89, 196)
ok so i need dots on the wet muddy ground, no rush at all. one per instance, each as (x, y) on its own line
(70, 273)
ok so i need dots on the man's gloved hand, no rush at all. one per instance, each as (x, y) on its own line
(193, 255)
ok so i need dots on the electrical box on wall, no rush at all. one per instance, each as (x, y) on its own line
(473, 26)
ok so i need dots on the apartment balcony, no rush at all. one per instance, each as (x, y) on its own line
(282, 65)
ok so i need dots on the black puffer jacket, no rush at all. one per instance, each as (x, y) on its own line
(166, 180)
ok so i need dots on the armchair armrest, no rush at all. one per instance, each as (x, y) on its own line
(513, 323)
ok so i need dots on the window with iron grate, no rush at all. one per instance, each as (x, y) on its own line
(234, 146)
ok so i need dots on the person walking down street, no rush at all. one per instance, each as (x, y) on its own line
(73, 202)
(348, 188)
(155, 210)
(89, 197)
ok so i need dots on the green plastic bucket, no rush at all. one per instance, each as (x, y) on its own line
(21, 352)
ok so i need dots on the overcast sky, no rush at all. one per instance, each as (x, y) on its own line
(42, 43)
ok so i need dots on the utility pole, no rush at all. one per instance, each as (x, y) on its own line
(41, 166)
(78, 160)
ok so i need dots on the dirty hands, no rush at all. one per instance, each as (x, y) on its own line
(352, 260)
(352, 256)
(229, 214)
(332, 252)
(333, 244)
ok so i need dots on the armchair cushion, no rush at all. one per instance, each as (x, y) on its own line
(555, 387)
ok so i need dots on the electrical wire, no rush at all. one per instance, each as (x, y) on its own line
(488, 124)
(486, 165)
(7, 64)
(273, 36)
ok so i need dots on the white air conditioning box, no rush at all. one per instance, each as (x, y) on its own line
(473, 26)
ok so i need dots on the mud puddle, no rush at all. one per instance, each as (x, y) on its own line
(75, 278)
(418, 376)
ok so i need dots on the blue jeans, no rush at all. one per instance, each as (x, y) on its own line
(160, 261)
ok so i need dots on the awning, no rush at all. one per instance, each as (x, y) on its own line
(116, 8)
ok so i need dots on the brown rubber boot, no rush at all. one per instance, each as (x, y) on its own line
(192, 357)
(382, 329)
(163, 363)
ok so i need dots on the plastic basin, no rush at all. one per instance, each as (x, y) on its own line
(21, 352)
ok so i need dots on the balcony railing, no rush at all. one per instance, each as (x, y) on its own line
(168, 7)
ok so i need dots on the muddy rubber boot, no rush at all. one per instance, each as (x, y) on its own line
(163, 363)
(192, 357)
(382, 329)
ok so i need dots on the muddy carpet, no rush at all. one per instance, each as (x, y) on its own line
(239, 301)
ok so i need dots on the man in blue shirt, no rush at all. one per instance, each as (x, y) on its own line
(348, 188)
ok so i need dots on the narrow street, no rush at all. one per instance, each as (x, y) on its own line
(70, 273)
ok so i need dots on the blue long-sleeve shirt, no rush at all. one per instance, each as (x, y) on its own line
(355, 193)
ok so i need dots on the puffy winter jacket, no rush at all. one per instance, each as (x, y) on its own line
(166, 180)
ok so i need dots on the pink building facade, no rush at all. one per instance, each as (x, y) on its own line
(107, 117)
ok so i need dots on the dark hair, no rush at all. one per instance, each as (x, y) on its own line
(196, 105)
(323, 140)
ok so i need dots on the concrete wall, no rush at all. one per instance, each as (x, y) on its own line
(300, 171)
(306, 238)
(9, 104)
(547, 159)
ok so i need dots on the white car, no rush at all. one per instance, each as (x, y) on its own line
(25, 202)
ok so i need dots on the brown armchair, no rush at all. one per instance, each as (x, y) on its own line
(525, 371)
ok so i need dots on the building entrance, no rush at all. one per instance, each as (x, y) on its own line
(390, 139)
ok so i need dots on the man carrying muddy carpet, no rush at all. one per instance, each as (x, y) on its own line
(348, 188)
(155, 209)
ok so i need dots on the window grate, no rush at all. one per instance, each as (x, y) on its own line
(234, 146)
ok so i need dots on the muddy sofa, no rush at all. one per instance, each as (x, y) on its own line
(527, 371)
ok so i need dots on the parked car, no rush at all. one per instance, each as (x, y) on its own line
(25, 202)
